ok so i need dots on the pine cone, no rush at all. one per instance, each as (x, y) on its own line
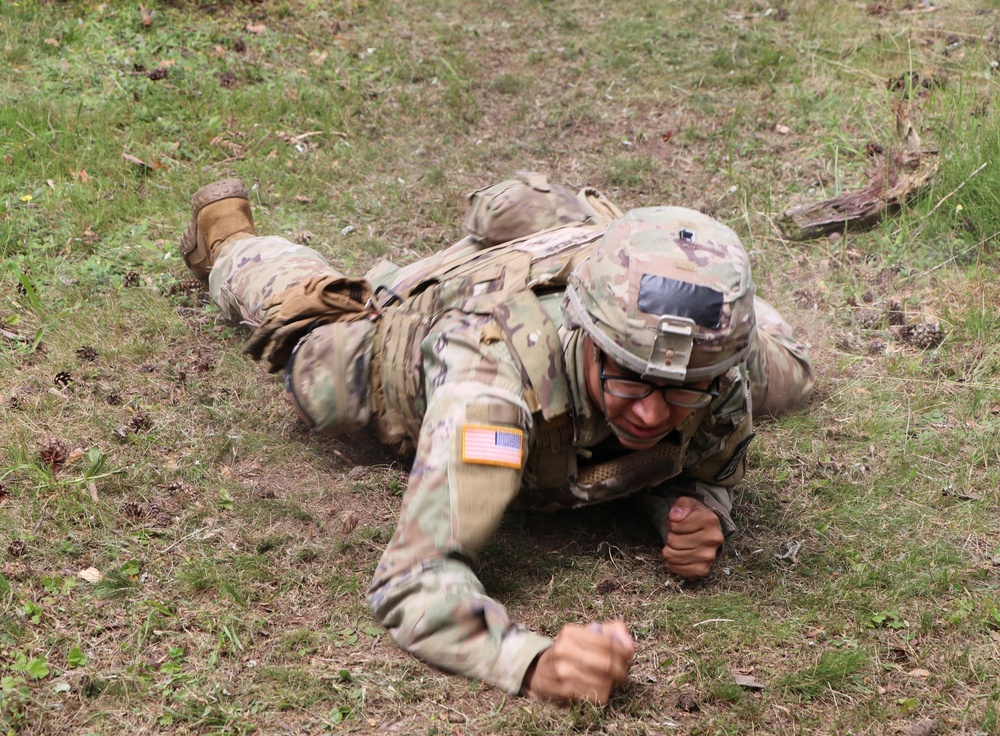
(52, 453)
(924, 334)
(87, 353)
(141, 423)
(15, 571)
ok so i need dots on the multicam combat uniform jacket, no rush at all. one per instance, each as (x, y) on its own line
(489, 389)
(424, 591)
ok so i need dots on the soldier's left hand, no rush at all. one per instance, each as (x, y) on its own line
(694, 535)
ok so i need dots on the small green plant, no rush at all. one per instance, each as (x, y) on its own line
(35, 668)
(75, 657)
(32, 611)
(15, 698)
(175, 661)
(96, 460)
(888, 619)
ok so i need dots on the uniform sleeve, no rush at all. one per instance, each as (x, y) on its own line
(657, 503)
(714, 459)
(465, 474)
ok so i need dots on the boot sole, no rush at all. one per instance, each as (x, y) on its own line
(214, 192)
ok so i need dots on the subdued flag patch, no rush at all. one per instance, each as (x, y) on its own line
(487, 445)
(734, 462)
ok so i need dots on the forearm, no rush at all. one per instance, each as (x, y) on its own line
(439, 612)
(424, 591)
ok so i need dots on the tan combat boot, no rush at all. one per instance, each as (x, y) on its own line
(220, 213)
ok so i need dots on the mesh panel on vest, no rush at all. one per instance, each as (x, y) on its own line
(627, 464)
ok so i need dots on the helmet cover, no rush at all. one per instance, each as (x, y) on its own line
(667, 294)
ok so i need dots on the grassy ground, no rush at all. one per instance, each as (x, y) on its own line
(861, 591)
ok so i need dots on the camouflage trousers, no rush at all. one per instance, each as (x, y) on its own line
(248, 272)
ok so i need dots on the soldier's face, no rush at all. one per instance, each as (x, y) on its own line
(638, 423)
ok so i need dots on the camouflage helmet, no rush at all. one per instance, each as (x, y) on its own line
(667, 294)
(328, 376)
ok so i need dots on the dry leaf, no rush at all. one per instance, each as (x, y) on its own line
(51, 42)
(256, 27)
(782, 129)
(137, 161)
(748, 681)
(91, 575)
(926, 727)
(319, 58)
(919, 672)
(147, 15)
(75, 454)
(349, 521)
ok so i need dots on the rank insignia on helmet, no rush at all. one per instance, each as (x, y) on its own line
(492, 445)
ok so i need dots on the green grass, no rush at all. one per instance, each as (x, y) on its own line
(235, 547)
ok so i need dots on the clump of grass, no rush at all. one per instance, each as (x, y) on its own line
(964, 199)
(834, 672)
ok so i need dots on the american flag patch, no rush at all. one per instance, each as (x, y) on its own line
(492, 445)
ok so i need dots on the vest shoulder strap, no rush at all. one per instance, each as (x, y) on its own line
(533, 340)
(545, 259)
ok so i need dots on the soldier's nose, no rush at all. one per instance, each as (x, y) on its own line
(652, 409)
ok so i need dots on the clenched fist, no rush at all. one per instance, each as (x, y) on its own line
(694, 535)
(583, 663)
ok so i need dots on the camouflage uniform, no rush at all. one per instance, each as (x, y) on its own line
(492, 430)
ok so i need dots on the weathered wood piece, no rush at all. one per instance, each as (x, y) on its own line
(894, 178)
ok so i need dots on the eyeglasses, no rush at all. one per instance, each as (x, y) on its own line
(634, 389)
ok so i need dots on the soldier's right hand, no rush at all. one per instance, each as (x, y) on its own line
(583, 663)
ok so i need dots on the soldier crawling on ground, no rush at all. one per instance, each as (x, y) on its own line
(564, 353)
